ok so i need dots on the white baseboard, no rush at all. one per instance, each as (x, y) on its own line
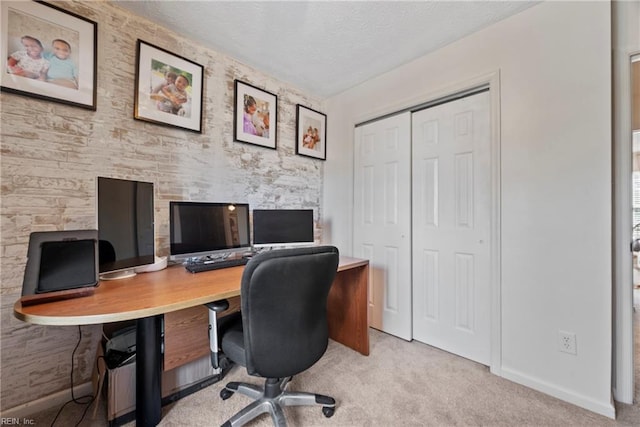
(603, 408)
(26, 410)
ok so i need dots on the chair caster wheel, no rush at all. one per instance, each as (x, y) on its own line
(327, 411)
(225, 363)
(225, 394)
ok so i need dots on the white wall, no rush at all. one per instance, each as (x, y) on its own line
(554, 61)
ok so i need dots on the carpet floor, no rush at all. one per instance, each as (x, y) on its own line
(400, 383)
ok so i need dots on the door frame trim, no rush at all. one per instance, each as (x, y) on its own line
(495, 250)
(623, 334)
(626, 45)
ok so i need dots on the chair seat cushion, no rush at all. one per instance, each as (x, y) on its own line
(233, 346)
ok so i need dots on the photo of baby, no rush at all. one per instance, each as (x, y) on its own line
(49, 53)
(255, 116)
(42, 51)
(311, 137)
(170, 88)
(311, 133)
(52, 65)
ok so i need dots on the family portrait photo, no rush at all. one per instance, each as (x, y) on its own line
(254, 115)
(50, 53)
(311, 133)
(168, 88)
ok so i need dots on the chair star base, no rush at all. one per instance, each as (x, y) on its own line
(272, 398)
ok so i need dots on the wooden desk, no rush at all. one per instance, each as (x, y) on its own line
(147, 296)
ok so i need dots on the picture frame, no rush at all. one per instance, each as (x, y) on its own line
(311, 133)
(255, 115)
(168, 88)
(65, 69)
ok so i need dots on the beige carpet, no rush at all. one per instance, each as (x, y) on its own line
(400, 383)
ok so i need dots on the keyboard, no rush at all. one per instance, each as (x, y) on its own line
(215, 265)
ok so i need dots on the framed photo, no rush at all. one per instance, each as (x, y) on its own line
(311, 133)
(254, 115)
(168, 88)
(49, 53)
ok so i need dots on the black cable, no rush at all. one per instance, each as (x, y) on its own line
(82, 399)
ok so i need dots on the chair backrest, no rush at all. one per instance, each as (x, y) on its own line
(284, 309)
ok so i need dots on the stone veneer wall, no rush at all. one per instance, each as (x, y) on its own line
(51, 155)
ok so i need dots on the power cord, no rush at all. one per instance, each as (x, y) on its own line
(82, 400)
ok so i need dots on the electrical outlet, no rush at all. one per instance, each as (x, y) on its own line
(567, 342)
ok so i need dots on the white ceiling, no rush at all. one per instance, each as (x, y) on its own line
(325, 47)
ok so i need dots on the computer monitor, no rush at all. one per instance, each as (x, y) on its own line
(282, 227)
(207, 229)
(125, 226)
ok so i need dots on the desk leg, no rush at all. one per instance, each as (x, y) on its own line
(148, 371)
(347, 309)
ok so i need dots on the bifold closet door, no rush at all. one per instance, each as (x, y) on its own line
(382, 219)
(451, 227)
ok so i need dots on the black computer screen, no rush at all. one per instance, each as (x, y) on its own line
(125, 224)
(198, 229)
(275, 227)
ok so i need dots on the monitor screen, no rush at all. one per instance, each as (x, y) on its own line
(125, 225)
(282, 227)
(199, 229)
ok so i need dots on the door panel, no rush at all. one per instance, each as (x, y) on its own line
(382, 219)
(451, 227)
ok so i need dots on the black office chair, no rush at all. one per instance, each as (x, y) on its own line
(282, 330)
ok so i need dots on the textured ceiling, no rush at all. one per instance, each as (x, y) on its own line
(325, 47)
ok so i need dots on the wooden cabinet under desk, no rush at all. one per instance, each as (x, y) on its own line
(186, 334)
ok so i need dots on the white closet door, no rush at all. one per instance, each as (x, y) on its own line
(382, 219)
(451, 227)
